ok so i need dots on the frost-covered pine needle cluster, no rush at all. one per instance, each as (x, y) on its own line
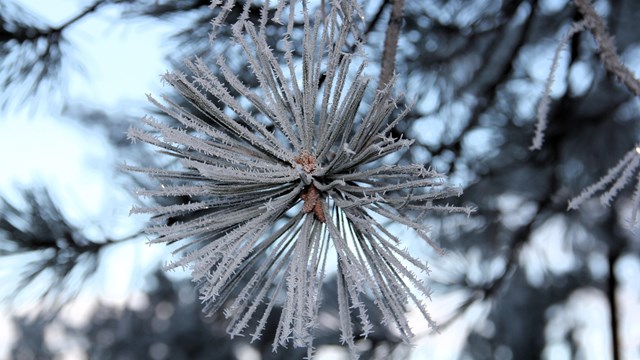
(285, 177)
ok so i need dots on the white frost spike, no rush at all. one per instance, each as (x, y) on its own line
(619, 175)
(545, 100)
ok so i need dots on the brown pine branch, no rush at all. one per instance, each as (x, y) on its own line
(388, 63)
(607, 47)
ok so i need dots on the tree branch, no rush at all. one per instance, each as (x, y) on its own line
(614, 254)
(607, 47)
(81, 15)
(617, 246)
(388, 63)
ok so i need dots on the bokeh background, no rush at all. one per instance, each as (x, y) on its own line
(523, 278)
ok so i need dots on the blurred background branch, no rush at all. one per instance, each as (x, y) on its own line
(32, 53)
(47, 249)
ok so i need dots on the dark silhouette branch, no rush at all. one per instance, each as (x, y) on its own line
(493, 87)
(81, 15)
(614, 255)
(617, 246)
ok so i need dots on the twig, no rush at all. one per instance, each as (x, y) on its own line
(81, 15)
(542, 111)
(388, 63)
(607, 47)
